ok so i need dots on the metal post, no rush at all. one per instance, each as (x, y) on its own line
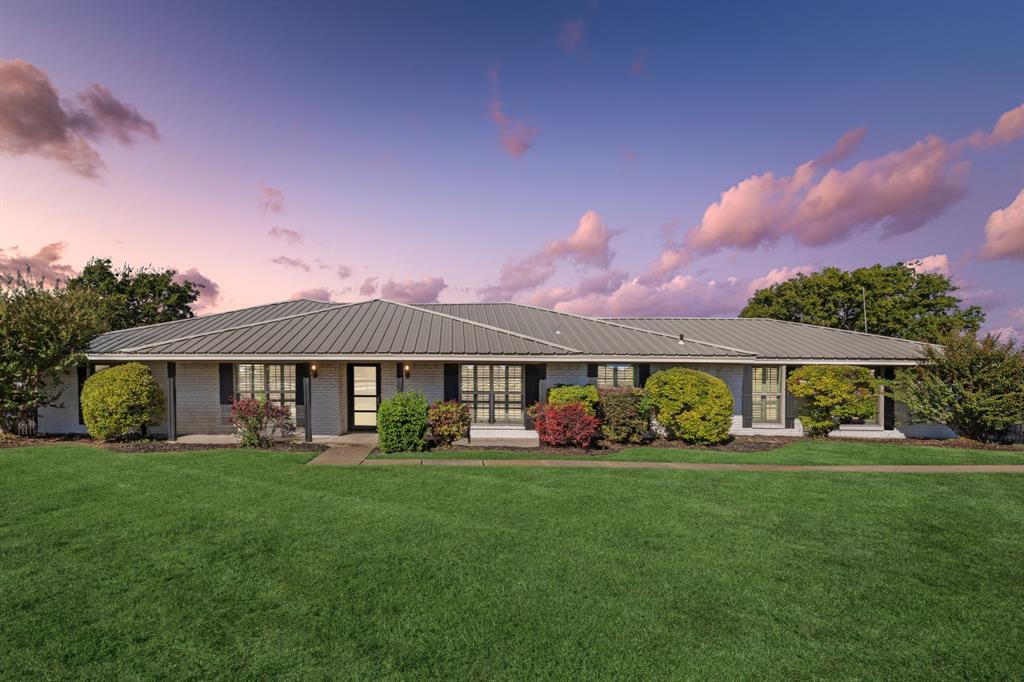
(307, 411)
(172, 402)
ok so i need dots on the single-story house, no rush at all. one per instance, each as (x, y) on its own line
(333, 363)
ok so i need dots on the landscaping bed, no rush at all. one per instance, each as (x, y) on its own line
(147, 444)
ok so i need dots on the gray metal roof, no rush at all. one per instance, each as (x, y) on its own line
(381, 328)
(778, 339)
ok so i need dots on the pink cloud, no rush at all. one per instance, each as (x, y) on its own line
(571, 35)
(777, 276)
(209, 291)
(1017, 314)
(317, 294)
(516, 137)
(368, 287)
(35, 120)
(1009, 127)
(287, 234)
(845, 146)
(1004, 231)
(344, 272)
(936, 263)
(271, 200)
(424, 290)
(638, 67)
(602, 283)
(1007, 333)
(290, 262)
(44, 263)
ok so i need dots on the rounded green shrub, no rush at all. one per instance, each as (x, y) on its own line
(119, 399)
(834, 394)
(402, 423)
(691, 406)
(448, 422)
(625, 415)
(585, 395)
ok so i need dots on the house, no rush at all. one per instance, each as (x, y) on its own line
(333, 363)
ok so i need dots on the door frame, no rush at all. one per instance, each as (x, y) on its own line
(350, 371)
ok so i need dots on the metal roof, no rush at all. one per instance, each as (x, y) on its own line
(779, 339)
(379, 328)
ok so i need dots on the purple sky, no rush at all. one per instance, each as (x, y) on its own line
(600, 158)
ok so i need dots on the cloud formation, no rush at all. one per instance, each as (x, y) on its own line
(209, 291)
(368, 287)
(44, 263)
(287, 234)
(424, 290)
(1004, 231)
(1009, 127)
(844, 146)
(290, 262)
(516, 137)
(34, 121)
(588, 245)
(316, 294)
(571, 35)
(937, 263)
(344, 272)
(270, 200)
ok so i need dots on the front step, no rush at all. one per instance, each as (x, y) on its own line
(496, 436)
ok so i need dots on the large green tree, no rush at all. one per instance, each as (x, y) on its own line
(899, 300)
(44, 332)
(136, 296)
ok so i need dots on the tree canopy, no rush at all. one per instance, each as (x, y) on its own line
(900, 301)
(136, 296)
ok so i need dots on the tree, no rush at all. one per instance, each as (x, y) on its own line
(119, 399)
(900, 302)
(44, 332)
(132, 297)
(974, 386)
(834, 394)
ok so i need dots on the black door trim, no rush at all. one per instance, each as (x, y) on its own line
(351, 392)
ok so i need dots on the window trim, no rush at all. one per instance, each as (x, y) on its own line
(756, 397)
(616, 367)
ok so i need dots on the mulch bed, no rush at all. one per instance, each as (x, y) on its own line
(147, 445)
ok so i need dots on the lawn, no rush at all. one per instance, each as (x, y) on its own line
(803, 451)
(235, 564)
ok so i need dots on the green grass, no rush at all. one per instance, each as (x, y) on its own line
(234, 564)
(805, 451)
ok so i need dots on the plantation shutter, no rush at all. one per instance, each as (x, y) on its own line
(83, 374)
(451, 381)
(301, 372)
(227, 383)
(888, 404)
(748, 398)
(643, 373)
(790, 400)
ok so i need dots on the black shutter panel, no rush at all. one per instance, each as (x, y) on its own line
(643, 373)
(531, 391)
(748, 397)
(227, 383)
(301, 372)
(398, 370)
(83, 374)
(451, 381)
(888, 404)
(790, 400)
(543, 376)
(591, 371)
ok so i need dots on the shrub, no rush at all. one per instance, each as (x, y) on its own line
(691, 406)
(257, 420)
(974, 386)
(119, 399)
(402, 423)
(585, 395)
(834, 394)
(448, 421)
(565, 425)
(625, 415)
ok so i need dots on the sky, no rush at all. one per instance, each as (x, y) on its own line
(598, 158)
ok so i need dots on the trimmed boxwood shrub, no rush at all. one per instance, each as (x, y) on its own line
(119, 399)
(692, 406)
(585, 395)
(625, 416)
(402, 423)
(448, 421)
(834, 394)
(566, 425)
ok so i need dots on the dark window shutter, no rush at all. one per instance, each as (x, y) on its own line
(591, 371)
(888, 404)
(301, 372)
(643, 373)
(83, 374)
(531, 390)
(227, 383)
(543, 372)
(398, 370)
(790, 400)
(451, 381)
(748, 397)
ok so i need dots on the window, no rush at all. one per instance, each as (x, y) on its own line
(767, 395)
(276, 383)
(494, 393)
(610, 376)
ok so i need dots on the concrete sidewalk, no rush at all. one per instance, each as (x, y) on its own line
(343, 455)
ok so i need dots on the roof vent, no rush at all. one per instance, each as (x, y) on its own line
(682, 339)
(558, 331)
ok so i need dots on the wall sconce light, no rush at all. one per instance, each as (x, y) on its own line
(406, 370)
(312, 371)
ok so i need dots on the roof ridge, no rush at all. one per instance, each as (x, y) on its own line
(636, 329)
(480, 324)
(838, 329)
(247, 325)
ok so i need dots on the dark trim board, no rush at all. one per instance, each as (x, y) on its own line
(350, 388)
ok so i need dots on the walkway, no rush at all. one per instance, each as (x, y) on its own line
(344, 455)
(352, 456)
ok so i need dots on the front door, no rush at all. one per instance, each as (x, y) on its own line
(363, 397)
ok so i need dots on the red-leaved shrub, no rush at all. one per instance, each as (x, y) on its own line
(448, 421)
(565, 425)
(257, 420)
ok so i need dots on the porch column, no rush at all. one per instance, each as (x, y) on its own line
(307, 411)
(172, 402)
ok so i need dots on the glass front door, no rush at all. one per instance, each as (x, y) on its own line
(363, 397)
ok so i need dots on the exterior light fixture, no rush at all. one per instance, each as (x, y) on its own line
(312, 371)
(406, 370)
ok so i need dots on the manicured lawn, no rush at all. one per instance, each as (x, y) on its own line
(804, 451)
(234, 564)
